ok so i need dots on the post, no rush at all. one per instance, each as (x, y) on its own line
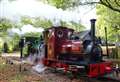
(21, 44)
(106, 42)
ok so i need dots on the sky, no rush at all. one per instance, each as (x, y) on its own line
(15, 9)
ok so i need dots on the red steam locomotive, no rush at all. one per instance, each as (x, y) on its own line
(75, 52)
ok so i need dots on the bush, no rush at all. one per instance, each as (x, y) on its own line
(25, 51)
(1, 47)
(118, 52)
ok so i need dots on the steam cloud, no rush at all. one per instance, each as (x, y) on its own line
(15, 9)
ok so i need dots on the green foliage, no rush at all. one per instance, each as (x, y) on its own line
(36, 22)
(12, 42)
(118, 52)
(71, 4)
(32, 34)
(15, 42)
(61, 3)
(26, 20)
(76, 26)
(67, 4)
(44, 23)
(1, 44)
(25, 51)
(111, 20)
(111, 4)
(5, 24)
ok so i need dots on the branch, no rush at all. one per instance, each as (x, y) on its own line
(105, 3)
(89, 3)
(109, 5)
(117, 3)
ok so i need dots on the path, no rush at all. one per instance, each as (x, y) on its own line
(15, 54)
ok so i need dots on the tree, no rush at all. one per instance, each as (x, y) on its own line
(64, 4)
(26, 20)
(36, 22)
(5, 24)
(44, 23)
(112, 4)
(76, 26)
(32, 34)
(110, 19)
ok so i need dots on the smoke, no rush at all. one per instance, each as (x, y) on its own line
(25, 29)
(13, 10)
(32, 8)
(38, 58)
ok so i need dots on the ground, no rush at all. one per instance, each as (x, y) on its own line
(10, 72)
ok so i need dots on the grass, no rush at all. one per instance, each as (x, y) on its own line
(2, 64)
(10, 73)
(17, 78)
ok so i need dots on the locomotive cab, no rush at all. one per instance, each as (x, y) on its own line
(54, 38)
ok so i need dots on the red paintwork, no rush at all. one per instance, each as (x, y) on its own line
(93, 70)
(55, 42)
(105, 67)
(72, 46)
(99, 69)
(56, 64)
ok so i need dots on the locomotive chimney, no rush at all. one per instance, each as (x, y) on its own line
(93, 29)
